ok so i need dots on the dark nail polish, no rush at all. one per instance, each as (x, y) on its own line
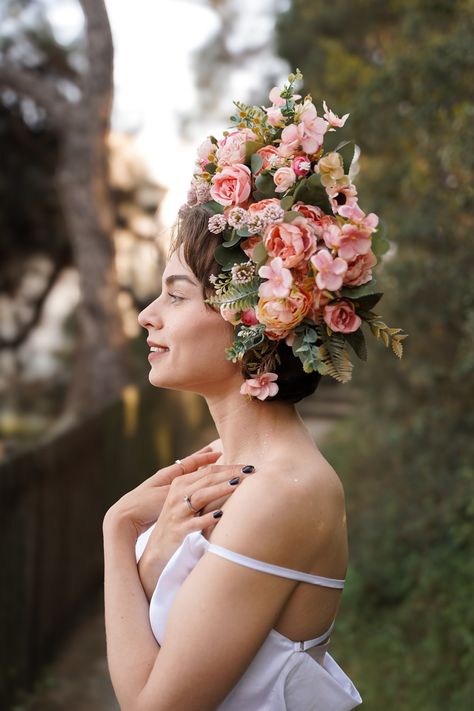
(217, 514)
(235, 480)
(248, 469)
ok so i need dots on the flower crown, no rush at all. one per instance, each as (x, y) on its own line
(297, 251)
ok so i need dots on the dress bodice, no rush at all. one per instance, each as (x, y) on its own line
(284, 675)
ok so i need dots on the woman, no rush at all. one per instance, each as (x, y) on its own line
(242, 547)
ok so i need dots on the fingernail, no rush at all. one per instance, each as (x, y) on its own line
(235, 480)
(217, 514)
(248, 469)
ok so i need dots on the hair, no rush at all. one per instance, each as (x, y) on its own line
(198, 243)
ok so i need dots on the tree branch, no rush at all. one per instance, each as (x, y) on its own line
(42, 91)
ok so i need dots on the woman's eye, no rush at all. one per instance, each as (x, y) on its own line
(175, 297)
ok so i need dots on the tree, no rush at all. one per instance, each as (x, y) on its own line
(77, 103)
(404, 71)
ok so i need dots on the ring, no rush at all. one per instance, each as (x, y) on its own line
(178, 461)
(187, 499)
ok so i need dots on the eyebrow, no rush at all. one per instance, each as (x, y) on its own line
(175, 277)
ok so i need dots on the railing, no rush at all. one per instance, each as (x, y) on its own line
(52, 502)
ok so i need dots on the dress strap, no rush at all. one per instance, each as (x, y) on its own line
(273, 569)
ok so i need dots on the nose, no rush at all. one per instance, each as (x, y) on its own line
(150, 316)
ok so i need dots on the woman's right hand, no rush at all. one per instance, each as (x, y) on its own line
(208, 488)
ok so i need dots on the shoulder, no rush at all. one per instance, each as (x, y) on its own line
(285, 513)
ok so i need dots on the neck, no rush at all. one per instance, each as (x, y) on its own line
(254, 431)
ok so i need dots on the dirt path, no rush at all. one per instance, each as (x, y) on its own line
(78, 680)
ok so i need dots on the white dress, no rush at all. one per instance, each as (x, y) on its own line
(284, 675)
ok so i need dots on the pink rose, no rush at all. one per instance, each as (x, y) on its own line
(262, 386)
(341, 316)
(256, 208)
(284, 178)
(267, 153)
(248, 317)
(280, 316)
(301, 166)
(292, 241)
(231, 186)
(232, 148)
(360, 269)
(312, 213)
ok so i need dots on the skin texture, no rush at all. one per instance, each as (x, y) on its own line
(289, 512)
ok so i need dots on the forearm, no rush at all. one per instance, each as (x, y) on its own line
(131, 647)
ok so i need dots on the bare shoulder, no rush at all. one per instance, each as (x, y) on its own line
(285, 512)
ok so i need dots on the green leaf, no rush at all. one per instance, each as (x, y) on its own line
(290, 216)
(346, 149)
(265, 185)
(210, 168)
(260, 254)
(243, 232)
(235, 239)
(364, 290)
(380, 244)
(311, 192)
(256, 163)
(228, 256)
(250, 148)
(213, 207)
(356, 340)
(369, 301)
(287, 202)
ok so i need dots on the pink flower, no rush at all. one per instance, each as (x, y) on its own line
(248, 317)
(320, 299)
(275, 117)
(281, 315)
(340, 196)
(353, 240)
(232, 148)
(284, 178)
(206, 150)
(292, 241)
(312, 213)
(256, 208)
(262, 386)
(301, 166)
(275, 97)
(279, 279)
(341, 316)
(267, 154)
(353, 212)
(307, 134)
(229, 314)
(333, 119)
(330, 271)
(360, 269)
(231, 186)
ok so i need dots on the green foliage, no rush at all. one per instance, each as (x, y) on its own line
(403, 69)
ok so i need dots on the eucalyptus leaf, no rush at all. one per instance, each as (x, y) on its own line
(235, 239)
(290, 216)
(251, 147)
(287, 202)
(265, 185)
(213, 207)
(228, 256)
(256, 163)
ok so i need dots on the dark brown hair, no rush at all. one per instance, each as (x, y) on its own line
(198, 245)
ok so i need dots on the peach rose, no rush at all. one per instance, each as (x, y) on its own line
(267, 153)
(258, 207)
(249, 244)
(232, 148)
(320, 299)
(231, 186)
(341, 316)
(292, 241)
(360, 269)
(281, 315)
(284, 178)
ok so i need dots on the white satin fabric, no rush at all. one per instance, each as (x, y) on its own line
(284, 675)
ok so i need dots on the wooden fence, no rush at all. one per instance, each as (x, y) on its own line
(52, 502)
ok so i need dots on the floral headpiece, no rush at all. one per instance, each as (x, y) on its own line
(297, 251)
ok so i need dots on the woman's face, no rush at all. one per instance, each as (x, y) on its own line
(194, 337)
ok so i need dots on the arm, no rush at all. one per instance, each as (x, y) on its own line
(207, 648)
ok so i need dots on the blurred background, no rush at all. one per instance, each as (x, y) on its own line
(102, 105)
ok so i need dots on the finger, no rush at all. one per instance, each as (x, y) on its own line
(167, 474)
(198, 523)
(205, 496)
(214, 474)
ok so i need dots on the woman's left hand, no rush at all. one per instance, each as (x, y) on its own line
(140, 508)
